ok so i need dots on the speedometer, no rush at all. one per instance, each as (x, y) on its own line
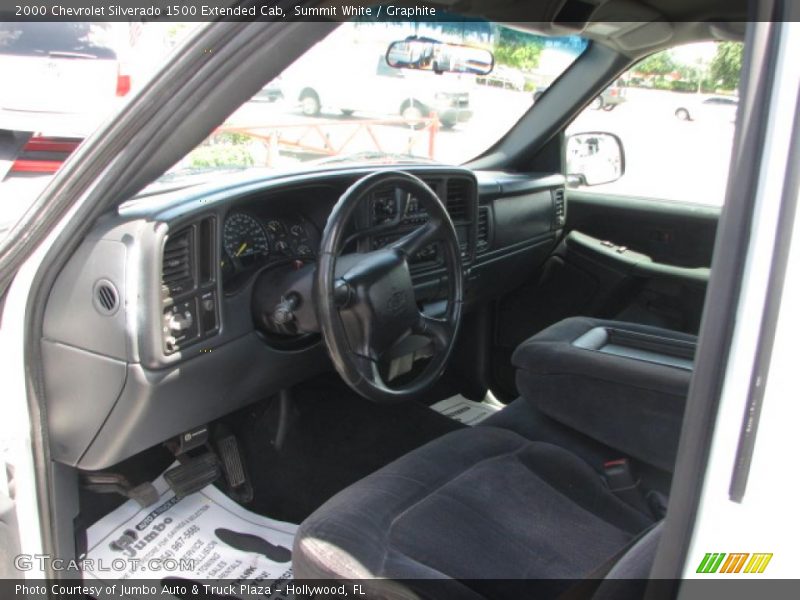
(244, 237)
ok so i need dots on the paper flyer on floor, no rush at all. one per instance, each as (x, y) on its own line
(197, 540)
(464, 411)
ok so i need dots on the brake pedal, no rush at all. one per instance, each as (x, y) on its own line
(193, 474)
(233, 467)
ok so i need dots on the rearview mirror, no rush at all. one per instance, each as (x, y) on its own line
(425, 54)
(594, 158)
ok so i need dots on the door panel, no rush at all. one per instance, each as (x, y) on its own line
(673, 233)
(639, 260)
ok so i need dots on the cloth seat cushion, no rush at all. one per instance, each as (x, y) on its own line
(480, 503)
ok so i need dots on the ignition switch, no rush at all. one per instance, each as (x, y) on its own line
(283, 313)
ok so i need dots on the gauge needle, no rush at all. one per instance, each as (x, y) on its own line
(241, 248)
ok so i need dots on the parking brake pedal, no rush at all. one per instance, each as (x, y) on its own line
(193, 474)
(233, 466)
(145, 494)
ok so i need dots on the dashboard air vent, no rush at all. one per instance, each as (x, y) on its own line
(483, 229)
(458, 200)
(384, 206)
(176, 269)
(435, 185)
(105, 297)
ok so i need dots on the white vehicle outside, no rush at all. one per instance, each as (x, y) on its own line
(69, 76)
(371, 87)
(504, 77)
(719, 108)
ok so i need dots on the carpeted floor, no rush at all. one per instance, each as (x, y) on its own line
(335, 438)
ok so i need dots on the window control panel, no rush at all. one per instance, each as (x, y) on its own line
(614, 247)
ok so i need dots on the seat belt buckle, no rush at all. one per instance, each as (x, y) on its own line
(624, 484)
(619, 475)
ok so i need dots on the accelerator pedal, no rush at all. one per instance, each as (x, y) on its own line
(193, 474)
(233, 467)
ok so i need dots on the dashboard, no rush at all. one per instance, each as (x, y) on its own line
(166, 317)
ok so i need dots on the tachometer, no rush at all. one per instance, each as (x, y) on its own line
(244, 237)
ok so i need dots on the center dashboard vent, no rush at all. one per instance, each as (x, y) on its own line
(384, 206)
(458, 196)
(483, 229)
(176, 267)
(435, 185)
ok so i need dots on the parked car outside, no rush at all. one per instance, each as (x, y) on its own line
(709, 108)
(373, 87)
(272, 92)
(608, 100)
(503, 77)
(69, 76)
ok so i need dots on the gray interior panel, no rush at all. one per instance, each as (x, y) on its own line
(73, 315)
(157, 405)
(83, 387)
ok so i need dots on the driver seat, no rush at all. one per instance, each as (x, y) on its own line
(475, 505)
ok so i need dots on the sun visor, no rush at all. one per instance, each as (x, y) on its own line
(632, 26)
(551, 18)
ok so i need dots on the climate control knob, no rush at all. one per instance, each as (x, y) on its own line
(178, 323)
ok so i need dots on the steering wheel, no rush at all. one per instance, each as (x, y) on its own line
(365, 302)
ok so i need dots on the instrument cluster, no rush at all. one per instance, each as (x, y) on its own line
(250, 241)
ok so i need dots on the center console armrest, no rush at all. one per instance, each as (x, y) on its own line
(622, 384)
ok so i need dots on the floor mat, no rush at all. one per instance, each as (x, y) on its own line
(464, 411)
(198, 540)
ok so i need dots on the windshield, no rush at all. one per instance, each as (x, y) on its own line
(342, 103)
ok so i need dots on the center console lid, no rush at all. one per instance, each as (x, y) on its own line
(623, 384)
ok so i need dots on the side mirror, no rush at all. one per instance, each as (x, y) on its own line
(425, 54)
(594, 158)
